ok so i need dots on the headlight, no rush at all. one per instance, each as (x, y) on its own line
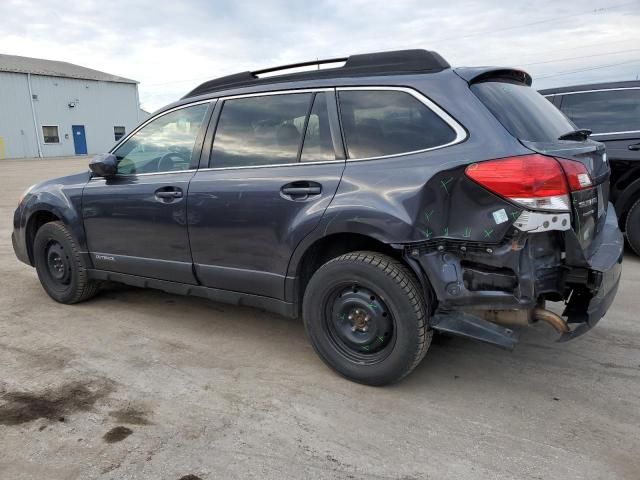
(24, 194)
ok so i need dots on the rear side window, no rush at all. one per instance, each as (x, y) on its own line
(525, 113)
(385, 122)
(605, 111)
(264, 130)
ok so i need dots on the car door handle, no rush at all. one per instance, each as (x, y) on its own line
(314, 190)
(634, 147)
(171, 194)
(165, 194)
(301, 189)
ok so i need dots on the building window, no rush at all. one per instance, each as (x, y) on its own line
(118, 133)
(50, 134)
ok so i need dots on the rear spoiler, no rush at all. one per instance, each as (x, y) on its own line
(482, 74)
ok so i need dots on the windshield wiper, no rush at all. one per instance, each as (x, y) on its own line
(579, 134)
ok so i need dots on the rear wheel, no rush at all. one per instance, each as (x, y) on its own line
(366, 318)
(60, 266)
(632, 227)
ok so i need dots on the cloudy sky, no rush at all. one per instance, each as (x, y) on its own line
(169, 47)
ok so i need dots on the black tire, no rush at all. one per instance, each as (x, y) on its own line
(632, 227)
(60, 266)
(361, 295)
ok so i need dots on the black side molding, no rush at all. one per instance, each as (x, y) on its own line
(274, 305)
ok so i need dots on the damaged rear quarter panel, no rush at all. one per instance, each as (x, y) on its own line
(426, 196)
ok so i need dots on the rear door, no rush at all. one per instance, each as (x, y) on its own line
(276, 161)
(614, 117)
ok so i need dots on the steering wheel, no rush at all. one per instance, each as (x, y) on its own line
(166, 162)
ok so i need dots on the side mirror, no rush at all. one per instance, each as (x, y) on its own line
(104, 165)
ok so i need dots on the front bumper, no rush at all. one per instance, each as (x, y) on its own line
(18, 239)
(20, 250)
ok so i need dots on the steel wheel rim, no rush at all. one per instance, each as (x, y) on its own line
(359, 324)
(58, 264)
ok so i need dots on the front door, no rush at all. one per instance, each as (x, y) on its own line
(136, 221)
(267, 188)
(79, 139)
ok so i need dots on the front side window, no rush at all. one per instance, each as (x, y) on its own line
(605, 111)
(385, 122)
(163, 145)
(118, 133)
(50, 134)
(265, 130)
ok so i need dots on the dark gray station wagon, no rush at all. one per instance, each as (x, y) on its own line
(379, 201)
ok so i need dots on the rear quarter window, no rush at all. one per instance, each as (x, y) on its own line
(379, 123)
(525, 113)
(604, 111)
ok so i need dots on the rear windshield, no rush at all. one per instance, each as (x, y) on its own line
(525, 113)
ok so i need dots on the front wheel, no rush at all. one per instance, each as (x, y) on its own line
(366, 317)
(60, 266)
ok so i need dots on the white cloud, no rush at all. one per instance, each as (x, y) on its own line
(171, 47)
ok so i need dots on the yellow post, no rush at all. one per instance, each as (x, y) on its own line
(1, 148)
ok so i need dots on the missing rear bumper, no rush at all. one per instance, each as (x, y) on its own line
(477, 285)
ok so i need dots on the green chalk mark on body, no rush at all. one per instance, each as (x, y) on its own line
(428, 215)
(446, 232)
(487, 233)
(444, 184)
(514, 214)
(467, 233)
(427, 232)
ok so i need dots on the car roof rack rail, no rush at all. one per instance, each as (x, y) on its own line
(379, 63)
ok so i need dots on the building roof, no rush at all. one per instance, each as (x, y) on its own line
(54, 68)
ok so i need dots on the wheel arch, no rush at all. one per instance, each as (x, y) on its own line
(308, 258)
(40, 214)
(36, 220)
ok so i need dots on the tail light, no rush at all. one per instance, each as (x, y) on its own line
(577, 174)
(534, 181)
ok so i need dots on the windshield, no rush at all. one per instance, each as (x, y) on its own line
(525, 113)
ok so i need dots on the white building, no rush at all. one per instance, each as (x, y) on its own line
(52, 109)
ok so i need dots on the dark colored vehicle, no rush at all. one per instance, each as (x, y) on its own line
(612, 112)
(380, 201)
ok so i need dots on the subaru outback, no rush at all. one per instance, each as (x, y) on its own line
(380, 200)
